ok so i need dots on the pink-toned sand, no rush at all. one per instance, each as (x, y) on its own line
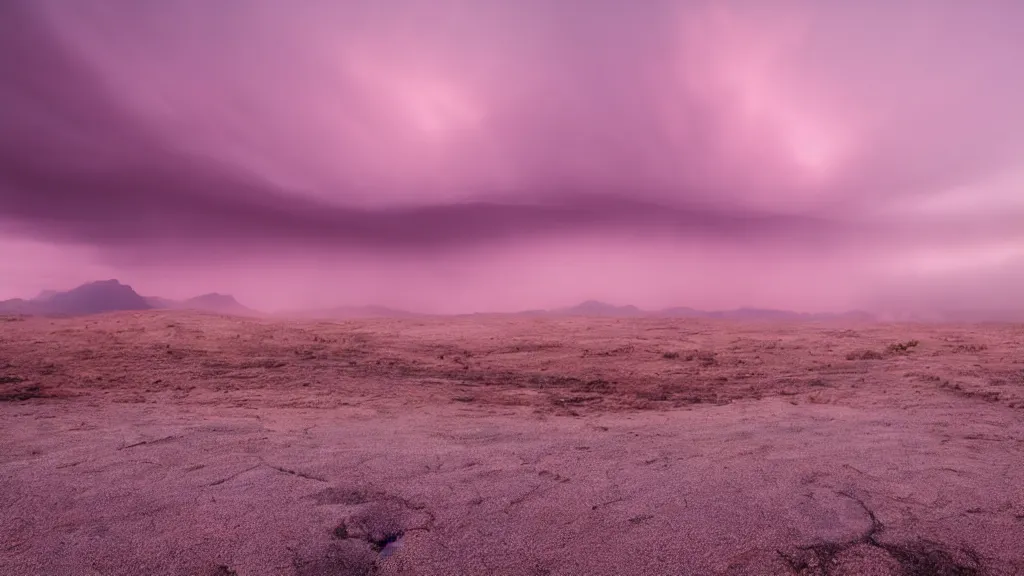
(184, 444)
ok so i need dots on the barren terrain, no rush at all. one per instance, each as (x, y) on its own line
(188, 444)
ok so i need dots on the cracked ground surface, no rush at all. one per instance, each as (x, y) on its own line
(196, 445)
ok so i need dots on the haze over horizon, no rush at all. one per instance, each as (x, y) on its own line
(465, 155)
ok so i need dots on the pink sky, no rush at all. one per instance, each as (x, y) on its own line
(467, 155)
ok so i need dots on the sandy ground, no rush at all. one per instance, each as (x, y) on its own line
(175, 443)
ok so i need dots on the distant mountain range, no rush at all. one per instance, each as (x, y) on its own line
(595, 308)
(112, 296)
(213, 302)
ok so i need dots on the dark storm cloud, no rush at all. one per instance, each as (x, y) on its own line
(180, 201)
(423, 125)
(75, 166)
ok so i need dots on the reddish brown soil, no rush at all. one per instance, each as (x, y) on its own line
(177, 443)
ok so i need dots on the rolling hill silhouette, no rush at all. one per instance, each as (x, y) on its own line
(113, 296)
(213, 302)
(91, 298)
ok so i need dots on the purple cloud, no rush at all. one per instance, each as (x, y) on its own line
(174, 131)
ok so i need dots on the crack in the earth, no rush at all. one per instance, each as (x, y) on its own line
(149, 442)
(915, 558)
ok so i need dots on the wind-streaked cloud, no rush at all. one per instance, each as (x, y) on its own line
(407, 136)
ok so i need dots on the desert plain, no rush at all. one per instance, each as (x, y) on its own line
(178, 443)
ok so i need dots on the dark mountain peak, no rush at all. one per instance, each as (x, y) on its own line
(212, 302)
(598, 308)
(217, 303)
(94, 298)
(98, 287)
(214, 298)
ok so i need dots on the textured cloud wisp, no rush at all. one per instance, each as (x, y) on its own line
(97, 175)
(882, 131)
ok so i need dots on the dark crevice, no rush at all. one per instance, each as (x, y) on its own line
(298, 473)
(915, 558)
(20, 393)
(380, 542)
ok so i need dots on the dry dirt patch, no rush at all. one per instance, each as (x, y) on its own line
(191, 444)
